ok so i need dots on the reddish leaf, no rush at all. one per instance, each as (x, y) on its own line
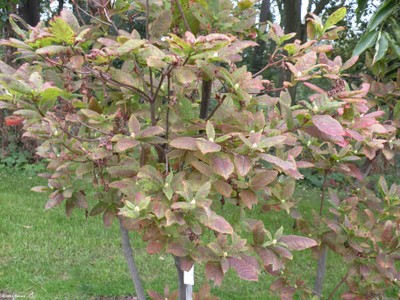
(150, 131)
(203, 168)
(262, 179)
(13, 120)
(385, 261)
(207, 146)
(81, 200)
(125, 143)
(154, 247)
(243, 164)
(186, 263)
(258, 233)
(328, 125)
(223, 188)
(155, 296)
(284, 165)
(134, 124)
(248, 197)
(222, 165)
(277, 285)
(294, 242)
(283, 252)
(287, 293)
(219, 224)
(387, 232)
(244, 269)
(69, 206)
(269, 258)
(214, 272)
(187, 143)
(180, 247)
(55, 200)
(108, 217)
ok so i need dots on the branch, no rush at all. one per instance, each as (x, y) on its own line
(205, 97)
(182, 15)
(319, 7)
(127, 248)
(216, 108)
(337, 286)
(147, 20)
(89, 15)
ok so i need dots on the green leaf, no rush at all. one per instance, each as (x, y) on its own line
(395, 29)
(396, 111)
(130, 45)
(335, 17)
(185, 76)
(62, 31)
(382, 13)
(50, 94)
(361, 5)
(210, 131)
(203, 191)
(380, 48)
(365, 42)
(161, 24)
(393, 45)
(21, 33)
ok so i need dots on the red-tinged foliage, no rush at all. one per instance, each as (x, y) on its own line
(13, 120)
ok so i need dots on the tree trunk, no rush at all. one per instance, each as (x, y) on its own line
(292, 23)
(321, 269)
(29, 10)
(60, 6)
(185, 290)
(258, 59)
(127, 248)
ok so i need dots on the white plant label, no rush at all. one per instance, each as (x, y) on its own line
(188, 277)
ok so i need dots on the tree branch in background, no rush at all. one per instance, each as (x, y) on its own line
(205, 98)
(182, 15)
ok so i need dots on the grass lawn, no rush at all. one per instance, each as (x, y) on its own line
(45, 255)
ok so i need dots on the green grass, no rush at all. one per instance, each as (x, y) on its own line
(46, 255)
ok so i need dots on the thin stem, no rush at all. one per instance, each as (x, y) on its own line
(153, 113)
(93, 17)
(145, 87)
(323, 193)
(216, 108)
(88, 126)
(182, 15)
(169, 101)
(109, 20)
(270, 64)
(147, 20)
(337, 286)
(127, 248)
(321, 266)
